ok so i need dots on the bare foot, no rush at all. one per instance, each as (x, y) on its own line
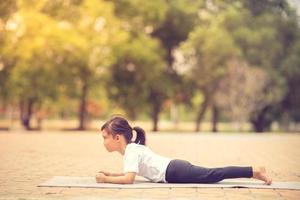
(260, 173)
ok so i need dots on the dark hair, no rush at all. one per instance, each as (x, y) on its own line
(119, 125)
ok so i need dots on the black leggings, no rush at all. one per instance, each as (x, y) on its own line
(181, 171)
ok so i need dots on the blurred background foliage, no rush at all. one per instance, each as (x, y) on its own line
(197, 61)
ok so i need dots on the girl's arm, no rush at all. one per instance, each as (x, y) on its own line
(116, 174)
(106, 173)
(128, 178)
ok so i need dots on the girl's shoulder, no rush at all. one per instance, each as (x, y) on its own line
(136, 147)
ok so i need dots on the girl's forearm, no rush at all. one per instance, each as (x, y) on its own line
(116, 174)
(118, 179)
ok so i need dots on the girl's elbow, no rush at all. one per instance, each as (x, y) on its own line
(129, 181)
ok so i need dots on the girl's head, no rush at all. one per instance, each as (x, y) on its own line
(118, 127)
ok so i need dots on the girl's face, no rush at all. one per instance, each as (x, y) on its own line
(111, 143)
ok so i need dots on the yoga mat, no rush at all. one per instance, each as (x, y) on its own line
(90, 182)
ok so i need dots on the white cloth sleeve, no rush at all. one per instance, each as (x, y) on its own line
(131, 161)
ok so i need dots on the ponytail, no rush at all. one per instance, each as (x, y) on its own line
(140, 135)
(119, 125)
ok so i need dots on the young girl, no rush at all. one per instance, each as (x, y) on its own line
(140, 160)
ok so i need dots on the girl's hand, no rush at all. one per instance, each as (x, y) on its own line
(106, 173)
(100, 178)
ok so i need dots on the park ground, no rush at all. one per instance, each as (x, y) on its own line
(30, 158)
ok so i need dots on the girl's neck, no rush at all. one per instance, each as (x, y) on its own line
(122, 148)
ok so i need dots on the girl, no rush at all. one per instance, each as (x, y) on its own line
(140, 160)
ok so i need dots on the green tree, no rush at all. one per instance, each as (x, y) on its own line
(266, 37)
(207, 52)
(136, 71)
(170, 22)
(32, 79)
(65, 57)
(242, 91)
(7, 9)
(88, 51)
(263, 31)
(180, 19)
(290, 104)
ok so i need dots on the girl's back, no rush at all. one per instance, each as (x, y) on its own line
(141, 160)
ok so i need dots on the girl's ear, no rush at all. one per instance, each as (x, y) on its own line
(117, 137)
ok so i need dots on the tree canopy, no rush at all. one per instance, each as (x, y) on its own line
(92, 58)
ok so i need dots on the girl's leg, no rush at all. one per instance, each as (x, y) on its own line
(180, 171)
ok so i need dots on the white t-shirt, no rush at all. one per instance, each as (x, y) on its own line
(141, 160)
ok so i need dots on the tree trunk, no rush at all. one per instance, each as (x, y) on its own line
(82, 108)
(26, 111)
(215, 118)
(22, 113)
(170, 59)
(155, 115)
(201, 113)
(262, 122)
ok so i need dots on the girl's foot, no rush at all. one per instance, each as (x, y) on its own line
(260, 173)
